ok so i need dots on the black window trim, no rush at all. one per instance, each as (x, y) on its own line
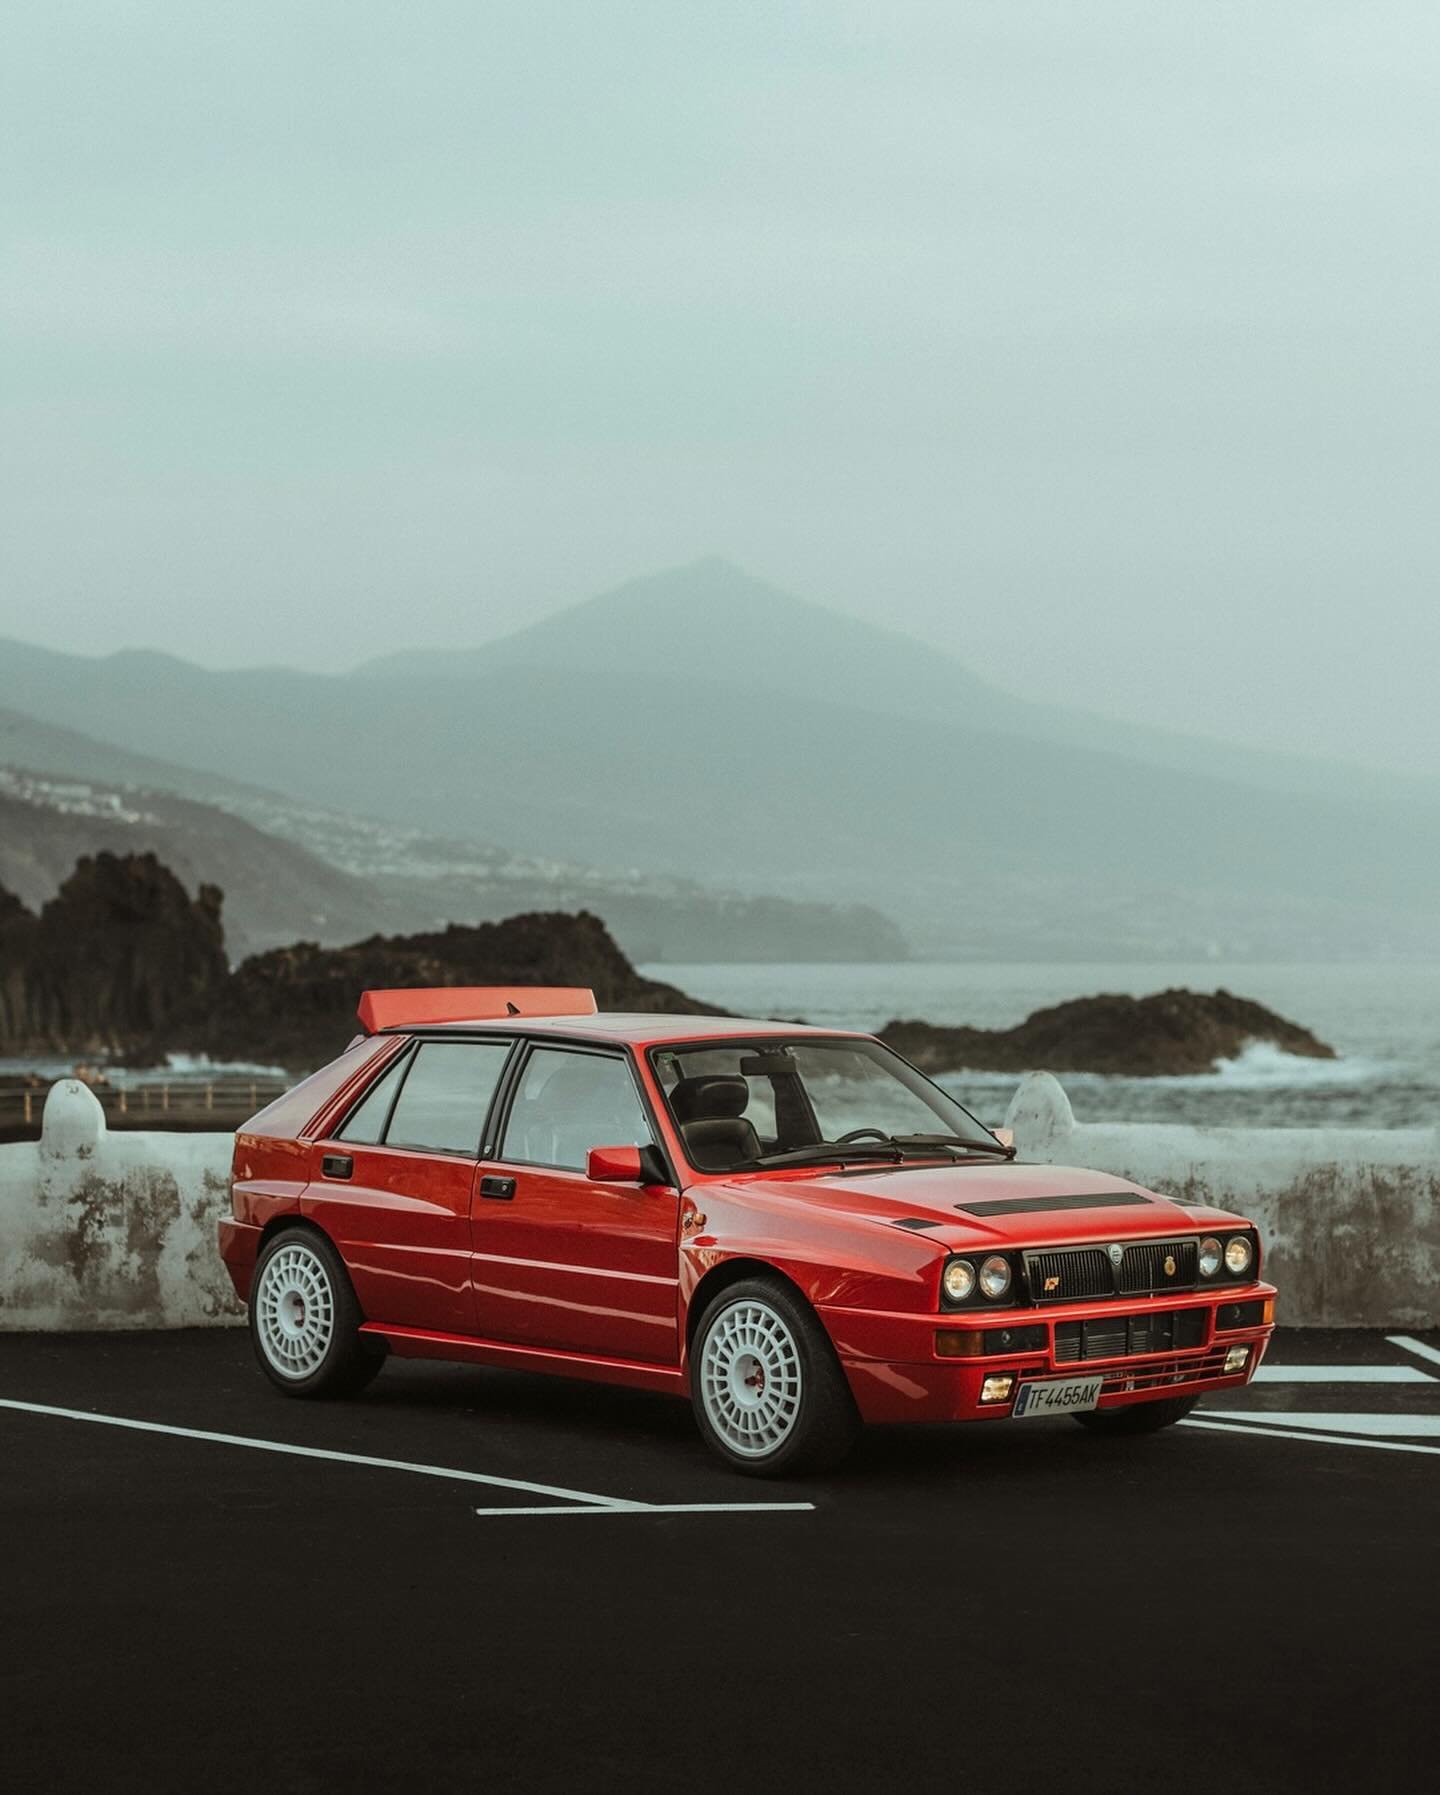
(405, 1060)
(760, 1042)
(528, 1045)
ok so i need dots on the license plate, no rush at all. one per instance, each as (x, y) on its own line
(1057, 1396)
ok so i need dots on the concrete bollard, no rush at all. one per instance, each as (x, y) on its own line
(72, 1124)
(101, 1230)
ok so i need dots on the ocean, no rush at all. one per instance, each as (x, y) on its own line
(1383, 1021)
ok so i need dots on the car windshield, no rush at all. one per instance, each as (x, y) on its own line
(808, 1100)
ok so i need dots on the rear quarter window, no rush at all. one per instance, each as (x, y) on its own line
(445, 1096)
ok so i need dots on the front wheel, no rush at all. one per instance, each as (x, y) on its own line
(305, 1321)
(768, 1392)
(1139, 1417)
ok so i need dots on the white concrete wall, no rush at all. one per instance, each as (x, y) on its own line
(101, 1230)
(1350, 1217)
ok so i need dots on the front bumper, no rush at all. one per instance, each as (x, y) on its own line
(897, 1371)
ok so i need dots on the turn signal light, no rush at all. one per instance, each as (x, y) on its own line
(960, 1343)
(1269, 1310)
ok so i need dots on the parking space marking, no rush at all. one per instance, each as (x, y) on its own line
(1408, 1343)
(658, 1508)
(1342, 1422)
(587, 1502)
(1317, 1438)
(346, 1458)
(1342, 1374)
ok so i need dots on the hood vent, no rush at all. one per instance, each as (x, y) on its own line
(1105, 1199)
(918, 1221)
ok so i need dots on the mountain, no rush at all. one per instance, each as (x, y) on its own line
(293, 870)
(706, 724)
(275, 891)
(747, 632)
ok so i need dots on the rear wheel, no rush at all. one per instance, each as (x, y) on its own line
(305, 1321)
(1139, 1417)
(768, 1392)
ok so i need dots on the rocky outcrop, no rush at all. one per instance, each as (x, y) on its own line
(1167, 1034)
(296, 1005)
(111, 961)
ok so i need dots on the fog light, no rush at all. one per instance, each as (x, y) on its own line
(997, 1389)
(1236, 1359)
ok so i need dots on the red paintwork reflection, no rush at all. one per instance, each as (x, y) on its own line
(549, 1269)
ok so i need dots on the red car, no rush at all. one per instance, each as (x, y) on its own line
(792, 1226)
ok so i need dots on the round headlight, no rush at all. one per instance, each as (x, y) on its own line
(1209, 1256)
(1238, 1254)
(959, 1280)
(995, 1276)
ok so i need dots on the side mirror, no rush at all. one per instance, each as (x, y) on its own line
(615, 1165)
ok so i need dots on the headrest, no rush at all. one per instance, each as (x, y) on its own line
(713, 1099)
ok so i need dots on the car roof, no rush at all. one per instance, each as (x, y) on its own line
(639, 1030)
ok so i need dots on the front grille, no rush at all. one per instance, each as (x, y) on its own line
(1069, 1275)
(1145, 1268)
(1155, 1374)
(1125, 1336)
(1158, 1265)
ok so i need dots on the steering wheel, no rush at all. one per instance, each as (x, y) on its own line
(858, 1134)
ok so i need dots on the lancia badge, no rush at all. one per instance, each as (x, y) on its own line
(1117, 1253)
(1169, 1265)
(1052, 1284)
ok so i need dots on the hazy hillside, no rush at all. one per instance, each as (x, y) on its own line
(704, 724)
(716, 620)
(274, 891)
(322, 875)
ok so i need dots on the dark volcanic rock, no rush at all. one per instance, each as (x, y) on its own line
(296, 1005)
(110, 961)
(1169, 1033)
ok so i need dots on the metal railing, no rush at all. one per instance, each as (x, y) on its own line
(163, 1103)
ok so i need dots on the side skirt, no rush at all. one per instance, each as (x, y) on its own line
(419, 1343)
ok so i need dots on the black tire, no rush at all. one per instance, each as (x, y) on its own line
(300, 1275)
(1138, 1417)
(820, 1420)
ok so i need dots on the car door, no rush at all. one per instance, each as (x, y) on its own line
(393, 1186)
(561, 1262)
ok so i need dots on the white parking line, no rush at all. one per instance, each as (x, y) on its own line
(1342, 1374)
(661, 1508)
(1352, 1422)
(591, 1503)
(1408, 1343)
(1319, 1439)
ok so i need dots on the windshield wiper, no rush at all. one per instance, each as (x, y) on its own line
(820, 1154)
(951, 1144)
(894, 1148)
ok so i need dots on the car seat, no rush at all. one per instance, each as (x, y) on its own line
(713, 1124)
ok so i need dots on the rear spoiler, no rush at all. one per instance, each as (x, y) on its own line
(423, 1004)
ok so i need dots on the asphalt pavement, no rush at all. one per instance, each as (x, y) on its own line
(483, 1580)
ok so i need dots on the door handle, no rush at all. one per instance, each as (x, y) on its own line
(337, 1165)
(497, 1187)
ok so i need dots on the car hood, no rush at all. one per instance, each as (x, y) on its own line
(974, 1206)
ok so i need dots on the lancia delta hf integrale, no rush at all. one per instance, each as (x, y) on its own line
(792, 1226)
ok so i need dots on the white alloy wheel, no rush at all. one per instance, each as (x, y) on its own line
(751, 1378)
(294, 1308)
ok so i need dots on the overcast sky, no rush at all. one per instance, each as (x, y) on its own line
(1094, 342)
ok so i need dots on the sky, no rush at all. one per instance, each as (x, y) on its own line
(1096, 344)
